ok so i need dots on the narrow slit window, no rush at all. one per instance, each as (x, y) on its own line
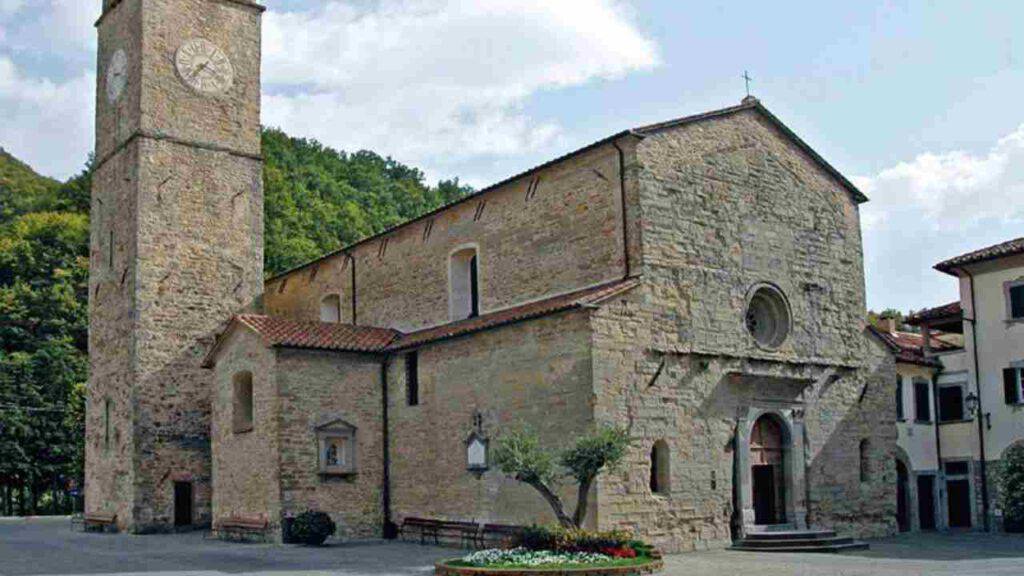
(412, 379)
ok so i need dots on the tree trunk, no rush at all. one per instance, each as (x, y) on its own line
(582, 501)
(555, 502)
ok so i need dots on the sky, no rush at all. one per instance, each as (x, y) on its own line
(917, 102)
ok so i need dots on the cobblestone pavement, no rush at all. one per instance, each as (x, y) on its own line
(48, 547)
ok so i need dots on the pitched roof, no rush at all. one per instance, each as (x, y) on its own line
(748, 103)
(1008, 248)
(578, 299)
(288, 333)
(946, 311)
(909, 347)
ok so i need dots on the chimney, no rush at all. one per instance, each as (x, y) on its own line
(889, 324)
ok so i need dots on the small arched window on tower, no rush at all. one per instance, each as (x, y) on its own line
(464, 285)
(330, 308)
(660, 468)
(865, 460)
(242, 413)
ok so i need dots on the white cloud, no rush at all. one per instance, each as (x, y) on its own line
(436, 81)
(53, 26)
(952, 188)
(47, 124)
(935, 206)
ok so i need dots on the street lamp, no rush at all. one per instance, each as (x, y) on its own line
(972, 403)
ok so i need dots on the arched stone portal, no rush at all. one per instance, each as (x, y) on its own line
(767, 471)
(770, 469)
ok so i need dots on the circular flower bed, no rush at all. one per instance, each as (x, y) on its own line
(612, 562)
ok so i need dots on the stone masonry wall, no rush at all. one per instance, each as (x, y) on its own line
(535, 374)
(567, 235)
(316, 388)
(726, 204)
(246, 464)
(730, 202)
(179, 192)
(109, 462)
(859, 406)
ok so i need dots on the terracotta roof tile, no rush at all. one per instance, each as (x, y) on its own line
(909, 347)
(951, 310)
(289, 333)
(285, 332)
(577, 299)
(1008, 248)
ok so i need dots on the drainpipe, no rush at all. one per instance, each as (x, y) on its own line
(941, 472)
(389, 530)
(981, 412)
(352, 260)
(625, 224)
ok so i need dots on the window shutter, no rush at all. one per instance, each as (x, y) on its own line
(1011, 388)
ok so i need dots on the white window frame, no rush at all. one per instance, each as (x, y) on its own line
(1007, 287)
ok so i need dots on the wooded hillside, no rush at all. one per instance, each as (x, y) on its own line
(317, 200)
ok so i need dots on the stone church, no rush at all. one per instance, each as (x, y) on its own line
(699, 282)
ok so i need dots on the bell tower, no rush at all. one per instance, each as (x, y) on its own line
(176, 245)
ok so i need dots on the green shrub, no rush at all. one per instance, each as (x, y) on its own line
(1011, 488)
(312, 528)
(559, 539)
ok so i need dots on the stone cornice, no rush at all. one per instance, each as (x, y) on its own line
(175, 140)
(246, 3)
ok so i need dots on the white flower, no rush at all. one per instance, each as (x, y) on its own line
(524, 557)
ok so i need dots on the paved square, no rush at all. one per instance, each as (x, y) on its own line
(48, 547)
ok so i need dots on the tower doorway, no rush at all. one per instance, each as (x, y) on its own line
(182, 503)
(767, 471)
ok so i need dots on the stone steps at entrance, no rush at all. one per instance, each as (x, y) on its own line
(825, 541)
(791, 535)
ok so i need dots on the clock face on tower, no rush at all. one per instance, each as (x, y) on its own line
(204, 67)
(117, 75)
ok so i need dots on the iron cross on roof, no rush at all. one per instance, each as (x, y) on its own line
(747, 79)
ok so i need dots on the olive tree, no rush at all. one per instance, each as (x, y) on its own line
(519, 455)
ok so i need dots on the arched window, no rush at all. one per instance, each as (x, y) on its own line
(464, 285)
(330, 308)
(865, 460)
(242, 402)
(660, 468)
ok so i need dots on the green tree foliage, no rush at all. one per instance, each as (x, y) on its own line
(316, 200)
(1011, 488)
(520, 456)
(319, 199)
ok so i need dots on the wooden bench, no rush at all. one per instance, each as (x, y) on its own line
(242, 527)
(438, 530)
(501, 534)
(99, 522)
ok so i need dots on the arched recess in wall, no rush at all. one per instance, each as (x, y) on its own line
(464, 284)
(330, 308)
(661, 468)
(865, 460)
(242, 401)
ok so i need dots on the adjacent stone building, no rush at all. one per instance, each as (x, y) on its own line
(699, 282)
